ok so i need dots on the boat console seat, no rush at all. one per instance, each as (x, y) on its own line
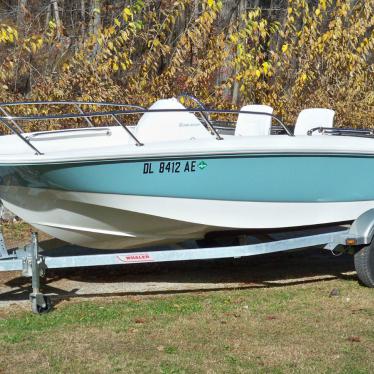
(314, 117)
(166, 126)
(254, 124)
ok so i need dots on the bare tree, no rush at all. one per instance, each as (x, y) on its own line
(83, 17)
(56, 16)
(235, 92)
(21, 12)
(95, 20)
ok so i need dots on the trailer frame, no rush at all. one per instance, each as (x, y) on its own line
(33, 263)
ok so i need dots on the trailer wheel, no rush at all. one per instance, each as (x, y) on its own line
(41, 309)
(364, 264)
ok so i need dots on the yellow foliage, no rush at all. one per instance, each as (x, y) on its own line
(315, 57)
(336, 68)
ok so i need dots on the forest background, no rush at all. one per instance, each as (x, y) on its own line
(290, 54)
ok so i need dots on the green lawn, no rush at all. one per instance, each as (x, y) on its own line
(281, 329)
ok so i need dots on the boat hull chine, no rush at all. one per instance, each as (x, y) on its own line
(109, 221)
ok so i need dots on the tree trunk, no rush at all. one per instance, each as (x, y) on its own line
(235, 91)
(95, 21)
(48, 16)
(56, 16)
(195, 15)
(21, 14)
(83, 18)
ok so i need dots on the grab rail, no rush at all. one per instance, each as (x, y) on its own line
(41, 133)
(81, 112)
(127, 130)
(64, 102)
(76, 104)
(342, 131)
(10, 121)
(205, 117)
(10, 127)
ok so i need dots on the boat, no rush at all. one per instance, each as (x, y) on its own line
(175, 174)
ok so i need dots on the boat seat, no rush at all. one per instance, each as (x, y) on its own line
(254, 124)
(313, 117)
(167, 126)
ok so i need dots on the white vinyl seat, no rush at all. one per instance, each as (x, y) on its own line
(313, 117)
(254, 124)
(168, 126)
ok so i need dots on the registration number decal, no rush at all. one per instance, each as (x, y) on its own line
(173, 167)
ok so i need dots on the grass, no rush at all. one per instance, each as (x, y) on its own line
(279, 329)
(15, 233)
(18, 233)
(287, 329)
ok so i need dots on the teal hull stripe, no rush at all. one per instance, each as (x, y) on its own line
(290, 178)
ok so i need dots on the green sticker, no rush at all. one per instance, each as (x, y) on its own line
(202, 165)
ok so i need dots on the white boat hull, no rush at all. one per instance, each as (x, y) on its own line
(103, 192)
(111, 221)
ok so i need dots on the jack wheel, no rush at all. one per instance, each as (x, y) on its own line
(41, 309)
(364, 264)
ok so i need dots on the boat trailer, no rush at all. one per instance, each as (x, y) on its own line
(32, 261)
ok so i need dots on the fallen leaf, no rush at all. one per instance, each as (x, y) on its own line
(139, 320)
(270, 318)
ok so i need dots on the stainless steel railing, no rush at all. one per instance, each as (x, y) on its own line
(343, 131)
(34, 135)
(12, 122)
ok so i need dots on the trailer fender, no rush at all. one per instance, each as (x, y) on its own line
(361, 231)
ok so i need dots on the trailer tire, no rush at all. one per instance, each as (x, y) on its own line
(364, 264)
(38, 309)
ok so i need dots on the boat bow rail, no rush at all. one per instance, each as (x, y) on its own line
(15, 122)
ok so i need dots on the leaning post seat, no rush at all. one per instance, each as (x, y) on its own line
(167, 126)
(254, 124)
(313, 117)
